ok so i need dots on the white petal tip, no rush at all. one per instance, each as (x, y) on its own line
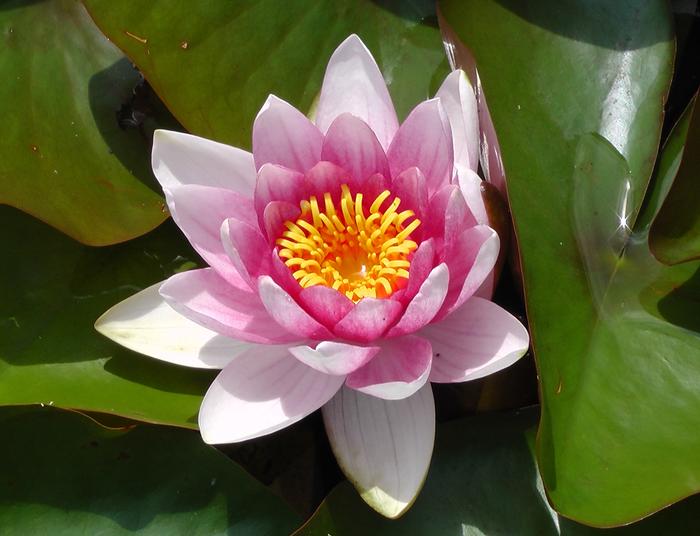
(385, 504)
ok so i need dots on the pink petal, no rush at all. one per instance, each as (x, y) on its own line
(199, 211)
(476, 340)
(246, 247)
(179, 159)
(325, 304)
(471, 186)
(424, 141)
(425, 305)
(491, 161)
(277, 183)
(401, 367)
(368, 320)
(286, 312)
(283, 135)
(449, 201)
(326, 177)
(383, 446)
(352, 145)
(275, 215)
(354, 84)
(411, 188)
(260, 392)
(205, 298)
(457, 97)
(471, 259)
(422, 263)
(283, 275)
(335, 358)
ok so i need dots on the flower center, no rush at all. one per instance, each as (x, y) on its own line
(341, 247)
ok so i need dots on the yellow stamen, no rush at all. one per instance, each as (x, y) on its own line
(337, 245)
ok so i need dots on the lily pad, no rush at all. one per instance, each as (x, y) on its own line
(576, 91)
(70, 163)
(52, 290)
(214, 63)
(63, 474)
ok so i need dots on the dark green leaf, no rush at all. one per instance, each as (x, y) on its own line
(52, 290)
(214, 63)
(66, 160)
(62, 474)
(576, 90)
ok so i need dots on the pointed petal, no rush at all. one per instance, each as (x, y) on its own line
(426, 304)
(476, 340)
(424, 141)
(422, 263)
(275, 215)
(246, 248)
(282, 307)
(203, 297)
(459, 101)
(354, 84)
(325, 304)
(411, 188)
(383, 446)
(352, 145)
(199, 212)
(146, 324)
(471, 186)
(449, 202)
(368, 320)
(283, 135)
(401, 367)
(278, 183)
(180, 159)
(335, 358)
(262, 391)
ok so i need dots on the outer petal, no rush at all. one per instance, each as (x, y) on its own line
(202, 226)
(368, 320)
(283, 135)
(180, 159)
(354, 84)
(352, 145)
(145, 323)
(335, 358)
(202, 296)
(426, 304)
(478, 339)
(399, 369)
(383, 446)
(457, 97)
(470, 260)
(424, 141)
(471, 184)
(449, 202)
(282, 307)
(260, 392)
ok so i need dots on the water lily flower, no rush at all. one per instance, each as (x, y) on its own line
(344, 256)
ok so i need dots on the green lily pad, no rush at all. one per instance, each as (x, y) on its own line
(214, 63)
(675, 234)
(52, 290)
(483, 481)
(67, 161)
(63, 474)
(576, 90)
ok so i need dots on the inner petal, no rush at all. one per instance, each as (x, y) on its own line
(360, 252)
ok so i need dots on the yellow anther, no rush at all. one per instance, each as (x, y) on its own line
(342, 248)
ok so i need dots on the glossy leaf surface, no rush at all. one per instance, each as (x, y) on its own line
(576, 91)
(63, 474)
(65, 158)
(214, 63)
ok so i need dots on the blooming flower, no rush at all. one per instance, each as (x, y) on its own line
(344, 256)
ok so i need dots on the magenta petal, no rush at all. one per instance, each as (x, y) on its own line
(354, 84)
(422, 263)
(202, 227)
(476, 340)
(352, 145)
(401, 367)
(326, 177)
(411, 188)
(450, 202)
(205, 298)
(282, 307)
(246, 247)
(283, 275)
(425, 305)
(283, 135)
(277, 183)
(275, 215)
(369, 319)
(325, 304)
(424, 141)
(470, 259)
(260, 392)
(335, 358)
